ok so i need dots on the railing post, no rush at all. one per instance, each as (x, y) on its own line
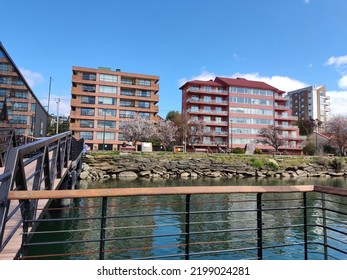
(103, 228)
(325, 241)
(187, 241)
(305, 226)
(259, 227)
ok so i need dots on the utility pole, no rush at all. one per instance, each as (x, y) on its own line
(58, 101)
(49, 93)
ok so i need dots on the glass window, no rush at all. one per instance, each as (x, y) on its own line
(88, 99)
(143, 82)
(106, 124)
(89, 76)
(105, 135)
(108, 78)
(87, 135)
(87, 112)
(126, 114)
(127, 92)
(33, 107)
(107, 89)
(128, 81)
(107, 112)
(20, 106)
(144, 104)
(107, 100)
(127, 103)
(88, 88)
(87, 123)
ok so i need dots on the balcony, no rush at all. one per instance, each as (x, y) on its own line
(286, 118)
(204, 101)
(212, 91)
(219, 222)
(209, 112)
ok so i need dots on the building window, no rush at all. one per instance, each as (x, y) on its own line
(88, 99)
(107, 100)
(19, 119)
(105, 135)
(127, 92)
(87, 124)
(88, 88)
(108, 89)
(144, 115)
(87, 135)
(87, 112)
(127, 81)
(107, 112)
(127, 103)
(20, 106)
(33, 107)
(144, 104)
(142, 82)
(127, 114)
(106, 124)
(144, 93)
(89, 76)
(108, 78)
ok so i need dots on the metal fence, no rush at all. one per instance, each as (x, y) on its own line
(281, 222)
(41, 165)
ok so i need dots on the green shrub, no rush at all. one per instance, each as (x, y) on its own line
(309, 149)
(258, 151)
(337, 164)
(257, 163)
(238, 151)
(272, 165)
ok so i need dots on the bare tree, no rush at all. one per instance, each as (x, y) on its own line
(337, 127)
(137, 129)
(165, 132)
(272, 136)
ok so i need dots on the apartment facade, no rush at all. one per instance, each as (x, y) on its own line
(235, 109)
(310, 102)
(20, 108)
(102, 98)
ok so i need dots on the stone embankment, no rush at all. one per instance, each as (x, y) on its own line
(136, 166)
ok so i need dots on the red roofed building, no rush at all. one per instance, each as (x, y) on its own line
(235, 109)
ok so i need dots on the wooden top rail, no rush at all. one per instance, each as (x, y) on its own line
(113, 192)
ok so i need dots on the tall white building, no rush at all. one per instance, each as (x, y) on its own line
(310, 102)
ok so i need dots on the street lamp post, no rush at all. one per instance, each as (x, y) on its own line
(103, 135)
(231, 136)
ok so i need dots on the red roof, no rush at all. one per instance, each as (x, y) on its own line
(202, 83)
(241, 82)
(238, 82)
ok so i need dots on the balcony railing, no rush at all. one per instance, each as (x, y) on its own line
(219, 222)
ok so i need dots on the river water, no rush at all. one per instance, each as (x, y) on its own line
(157, 244)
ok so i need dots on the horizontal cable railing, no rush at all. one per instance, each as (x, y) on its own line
(237, 222)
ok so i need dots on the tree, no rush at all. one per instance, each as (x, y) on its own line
(195, 131)
(172, 116)
(337, 128)
(306, 127)
(165, 132)
(137, 129)
(271, 136)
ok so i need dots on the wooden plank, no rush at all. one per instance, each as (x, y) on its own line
(59, 194)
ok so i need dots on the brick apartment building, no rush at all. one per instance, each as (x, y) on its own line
(102, 98)
(20, 109)
(235, 109)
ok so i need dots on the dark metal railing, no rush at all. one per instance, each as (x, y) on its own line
(41, 165)
(246, 222)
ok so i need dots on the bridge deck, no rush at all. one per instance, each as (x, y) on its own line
(11, 249)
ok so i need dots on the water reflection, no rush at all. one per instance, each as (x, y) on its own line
(216, 222)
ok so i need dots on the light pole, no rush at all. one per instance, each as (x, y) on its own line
(231, 136)
(103, 135)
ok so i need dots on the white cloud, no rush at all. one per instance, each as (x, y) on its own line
(307, 1)
(343, 82)
(32, 78)
(281, 82)
(64, 105)
(204, 76)
(338, 102)
(337, 60)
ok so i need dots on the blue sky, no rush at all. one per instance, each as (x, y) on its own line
(286, 43)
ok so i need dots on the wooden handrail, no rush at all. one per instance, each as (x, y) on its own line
(113, 192)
